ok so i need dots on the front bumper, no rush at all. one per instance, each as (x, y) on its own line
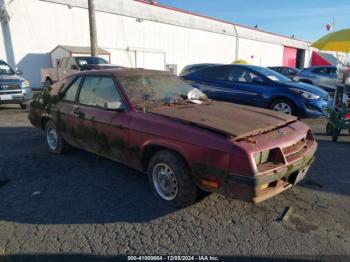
(16, 98)
(314, 108)
(262, 187)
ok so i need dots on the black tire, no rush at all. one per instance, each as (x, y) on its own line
(23, 106)
(61, 145)
(335, 134)
(187, 190)
(329, 129)
(284, 101)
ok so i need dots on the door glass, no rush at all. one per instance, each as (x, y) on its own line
(241, 75)
(99, 92)
(322, 71)
(332, 71)
(71, 92)
(63, 63)
(215, 73)
(70, 63)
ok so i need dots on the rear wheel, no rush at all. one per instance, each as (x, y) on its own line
(170, 179)
(54, 139)
(283, 106)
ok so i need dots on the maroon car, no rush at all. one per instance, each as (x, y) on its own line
(154, 122)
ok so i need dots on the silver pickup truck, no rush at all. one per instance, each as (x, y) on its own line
(13, 88)
(68, 66)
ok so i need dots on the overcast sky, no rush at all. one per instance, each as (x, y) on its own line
(306, 19)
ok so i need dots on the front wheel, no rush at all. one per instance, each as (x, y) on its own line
(170, 179)
(54, 139)
(283, 106)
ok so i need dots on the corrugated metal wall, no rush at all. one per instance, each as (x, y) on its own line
(136, 34)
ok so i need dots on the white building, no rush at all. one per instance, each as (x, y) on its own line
(137, 34)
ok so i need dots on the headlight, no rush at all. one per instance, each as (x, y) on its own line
(305, 94)
(25, 84)
(262, 157)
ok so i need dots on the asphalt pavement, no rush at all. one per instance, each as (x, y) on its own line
(82, 207)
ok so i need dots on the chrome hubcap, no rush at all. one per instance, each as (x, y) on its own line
(283, 107)
(52, 138)
(165, 182)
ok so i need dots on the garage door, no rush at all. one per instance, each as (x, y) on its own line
(290, 56)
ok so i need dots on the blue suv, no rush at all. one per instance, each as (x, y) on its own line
(257, 86)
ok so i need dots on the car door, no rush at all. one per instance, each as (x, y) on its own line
(103, 127)
(333, 77)
(214, 83)
(323, 77)
(62, 68)
(65, 119)
(72, 66)
(244, 87)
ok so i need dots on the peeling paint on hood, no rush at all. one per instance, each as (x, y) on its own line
(231, 119)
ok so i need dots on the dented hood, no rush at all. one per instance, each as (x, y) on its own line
(234, 120)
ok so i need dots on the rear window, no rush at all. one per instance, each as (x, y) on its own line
(82, 61)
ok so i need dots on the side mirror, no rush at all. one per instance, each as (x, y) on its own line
(19, 72)
(74, 67)
(258, 80)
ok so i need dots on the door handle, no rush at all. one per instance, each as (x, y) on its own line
(76, 110)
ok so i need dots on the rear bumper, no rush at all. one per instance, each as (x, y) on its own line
(263, 187)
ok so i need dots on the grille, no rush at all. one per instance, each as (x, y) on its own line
(10, 92)
(9, 87)
(295, 151)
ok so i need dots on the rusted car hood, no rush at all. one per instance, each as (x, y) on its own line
(231, 119)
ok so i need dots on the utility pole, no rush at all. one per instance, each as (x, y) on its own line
(93, 31)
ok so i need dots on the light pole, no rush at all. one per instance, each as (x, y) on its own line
(93, 31)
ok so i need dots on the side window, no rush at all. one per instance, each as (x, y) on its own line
(63, 63)
(290, 71)
(99, 91)
(322, 71)
(332, 71)
(71, 61)
(215, 73)
(241, 75)
(71, 93)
